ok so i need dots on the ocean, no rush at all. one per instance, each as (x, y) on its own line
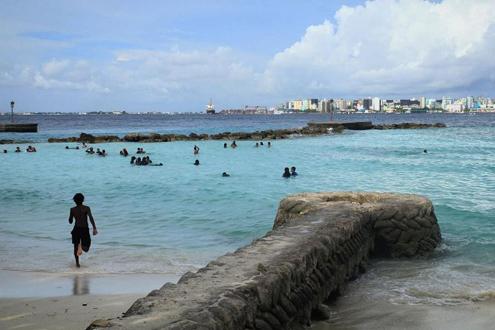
(177, 217)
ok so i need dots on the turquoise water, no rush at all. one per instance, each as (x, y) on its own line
(177, 217)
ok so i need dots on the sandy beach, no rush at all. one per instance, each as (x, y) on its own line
(69, 312)
(33, 300)
(77, 311)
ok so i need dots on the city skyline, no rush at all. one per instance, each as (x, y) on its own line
(164, 56)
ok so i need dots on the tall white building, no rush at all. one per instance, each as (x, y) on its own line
(422, 102)
(446, 102)
(470, 102)
(376, 104)
(325, 105)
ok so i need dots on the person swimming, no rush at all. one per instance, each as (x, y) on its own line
(31, 149)
(233, 145)
(286, 173)
(4, 151)
(425, 151)
(225, 174)
(261, 143)
(195, 150)
(17, 149)
(269, 144)
(196, 162)
(293, 171)
(225, 145)
(257, 145)
(133, 159)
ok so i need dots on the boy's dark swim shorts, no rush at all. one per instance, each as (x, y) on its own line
(81, 234)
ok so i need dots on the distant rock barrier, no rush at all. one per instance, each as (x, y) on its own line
(319, 241)
(312, 129)
(409, 126)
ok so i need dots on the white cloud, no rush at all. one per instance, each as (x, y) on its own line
(388, 47)
(160, 74)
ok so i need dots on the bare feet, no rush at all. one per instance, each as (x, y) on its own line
(79, 250)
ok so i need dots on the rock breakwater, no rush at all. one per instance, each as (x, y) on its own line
(312, 129)
(319, 241)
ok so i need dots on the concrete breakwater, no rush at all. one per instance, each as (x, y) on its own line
(312, 129)
(19, 128)
(319, 241)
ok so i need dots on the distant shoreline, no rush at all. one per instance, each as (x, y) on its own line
(153, 113)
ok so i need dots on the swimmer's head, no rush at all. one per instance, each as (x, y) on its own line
(78, 198)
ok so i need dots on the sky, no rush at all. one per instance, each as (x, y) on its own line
(93, 55)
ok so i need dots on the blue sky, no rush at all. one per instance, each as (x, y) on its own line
(173, 56)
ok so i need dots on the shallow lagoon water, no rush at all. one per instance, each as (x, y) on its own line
(177, 217)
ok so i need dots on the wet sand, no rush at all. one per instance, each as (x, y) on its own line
(356, 314)
(69, 312)
(31, 300)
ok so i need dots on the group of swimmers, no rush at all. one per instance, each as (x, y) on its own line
(124, 152)
(18, 149)
(140, 151)
(289, 173)
(143, 161)
(269, 144)
(99, 152)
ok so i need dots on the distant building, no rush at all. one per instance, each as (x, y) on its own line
(297, 105)
(446, 102)
(325, 105)
(470, 102)
(422, 102)
(376, 104)
(340, 104)
(366, 105)
(454, 107)
(249, 110)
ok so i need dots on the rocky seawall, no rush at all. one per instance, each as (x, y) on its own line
(319, 241)
(312, 129)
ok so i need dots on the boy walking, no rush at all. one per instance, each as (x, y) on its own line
(80, 234)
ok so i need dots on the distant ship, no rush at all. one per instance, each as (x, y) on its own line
(210, 108)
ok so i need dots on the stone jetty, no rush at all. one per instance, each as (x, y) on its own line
(312, 129)
(282, 280)
(19, 128)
